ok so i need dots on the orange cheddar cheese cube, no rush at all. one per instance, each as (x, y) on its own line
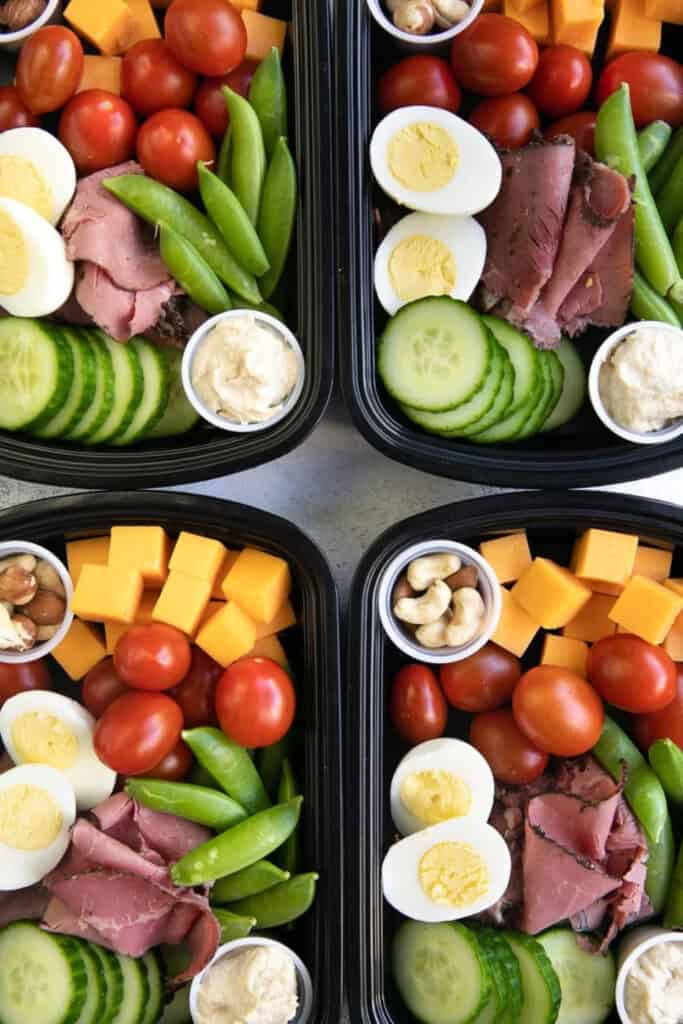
(654, 563)
(550, 594)
(147, 26)
(675, 585)
(228, 635)
(508, 556)
(105, 593)
(259, 583)
(604, 555)
(92, 551)
(113, 631)
(263, 33)
(210, 610)
(515, 629)
(566, 652)
(269, 647)
(247, 5)
(80, 650)
(228, 562)
(673, 645)
(602, 587)
(632, 29)
(201, 557)
(577, 22)
(101, 73)
(109, 25)
(145, 548)
(593, 622)
(670, 11)
(536, 20)
(285, 618)
(182, 601)
(647, 609)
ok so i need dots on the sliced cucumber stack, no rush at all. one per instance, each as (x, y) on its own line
(540, 985)
(179, 415)
(36, 367)
(42, 976)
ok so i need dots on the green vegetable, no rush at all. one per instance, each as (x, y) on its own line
(27, 953)
(81, 387)
(155, 986)
(192, 272)
(670, 198)
(239, 847)
(647, 304)
(135, 990)
(496, 1007)
(230, 765)
(178, 1010)
(673, 910)
(666, 758)
(112, 976)
(129, 383)
(248, 162)
(277, 214)
(226, 212)
(270, 760)
(156, 392)
(587, 980)
(662, 172)
(268, 97)
(288, 856)
(652, 142)
(36, 369)
(232, 925)
(281, 904)
(207, 807)
(541, 994)
(248, 882)
(677, 242)
(225, 157)
(200, 777)
(616, 144)
(660, 865)
(508, 966)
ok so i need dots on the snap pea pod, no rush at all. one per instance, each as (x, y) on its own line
(647, 304)
(239, 847)
(200, 777)
(660, 866)
(616, 144)
(666, 758)
(248, 160)
(277, 214)
(268, 97)
(225, 210)
(248, 882)
(158, 205)
(670, 198)
(230, 765)
(673, 910)
(204, 806)
(288, 856)
(224, 157)
(233, 926)
(677, 242)
(280, 905)
(192, 272)
(270, 761)
(662, 172)
(652, 141)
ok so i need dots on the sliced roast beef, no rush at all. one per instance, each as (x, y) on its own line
(170, 836)
(23, 905)
(585, 778)
(108, 853)
(580, 827)
(119, 312)
(178, 321)
(590, 919)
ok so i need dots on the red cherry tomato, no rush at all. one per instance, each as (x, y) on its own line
(509, 121)
(152, 657)
(514, 760)
(196, 694)
(209, 102)
(255, 702)
(580, 126)
(49, 68)
(169, 145)
(559, 711)
(98, 128)
(207, 36)
(137, 731)
(631, 673)
(482, 682)
(418, 80)
(562, 81)
(418, 708)
(175, 766)
(665, 724)
(655, 83)
(18, 678)
(152, 78)
(13, 111)
(101, 687)
(494, 56)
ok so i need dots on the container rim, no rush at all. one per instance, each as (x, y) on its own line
(12, 40)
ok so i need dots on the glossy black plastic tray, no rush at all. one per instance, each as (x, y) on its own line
(583, 454)
(373, 749)
(206, 453)
(313, 650)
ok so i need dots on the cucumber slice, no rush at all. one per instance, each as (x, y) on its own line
(511, 426)
(42, 976)
(178, 1010)
(155, 1000)
(128, 385)
(434, 354)
(524, 356)
(574, 387)
(509, 965)
(133, 1003)
(96, 994)
(36, 366)
(494, 1011)
(155, 392)
(552, 388)
(587, 980)
(557, 375)
(179, 415)
(102, 399)
(540, 984)
(81, 391)
(113, 982)
(501, 405)
(441, 973)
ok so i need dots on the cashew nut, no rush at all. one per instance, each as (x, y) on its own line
(433, 634)
(27, 562)
(449, 12)
(468, 612)
(420, 611)
(425, 571)
(416, 18)
(49, 579)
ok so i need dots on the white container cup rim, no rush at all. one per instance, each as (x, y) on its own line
(19, 547)
(22, 34)
(432, 39)
(652, 936)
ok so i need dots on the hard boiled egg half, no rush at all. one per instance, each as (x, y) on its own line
(425, 254)
(37, 170)
(36, 278)
(438, 781)
(446, 872)
(37, 810)
(431, 160)
(41, 727)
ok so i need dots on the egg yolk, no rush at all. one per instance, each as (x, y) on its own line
(435, 795)
(14, 256)
(41, 738)
(421, 266)
(21, 180)
(423, 157)
(29, 818)
(453, 874)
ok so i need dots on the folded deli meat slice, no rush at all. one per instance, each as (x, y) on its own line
(119, 312)
(578, 826)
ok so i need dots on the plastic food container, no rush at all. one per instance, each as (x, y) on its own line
(632, 947)
(205, 452)
(373, 748)
(15, 40)
(582, 454)
(314, 654)
(421, 44)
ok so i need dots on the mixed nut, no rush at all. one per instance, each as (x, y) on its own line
(32, 602)
(420, 17)
(438, 601)
(17, 14)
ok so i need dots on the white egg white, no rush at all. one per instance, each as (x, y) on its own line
(92, 781)
(21, 868)
(477, 178)
(400, 871)
(459, 758)
(464, 236)
(51, 275)
(51, 160)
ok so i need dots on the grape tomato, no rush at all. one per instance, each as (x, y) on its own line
(137, 731)
(482, 682)
(494, 56)
(418, 707)
(255, 702)
(152, 78)
(99, 129)
(152, 657)
(49, 68)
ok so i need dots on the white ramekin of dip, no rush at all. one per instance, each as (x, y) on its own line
(636, 943)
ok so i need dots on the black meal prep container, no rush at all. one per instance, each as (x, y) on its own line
(204, 452)
(582, 454)
(374, 749)
(313, 650)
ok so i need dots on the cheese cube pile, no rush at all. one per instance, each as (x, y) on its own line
(633, 24)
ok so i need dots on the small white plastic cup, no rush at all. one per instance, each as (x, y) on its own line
(424, 44)
(15, 40)
(637, 942)
(19, 547)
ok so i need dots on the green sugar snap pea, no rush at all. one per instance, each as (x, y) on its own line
(224, 157)
(268, 97)
(248, 882)
(660, 866)
(652, 142)
(270, 760)
(230, 765)
(192, 272)
(647, 304)
(205, 806)
(670, 198)
(662, 171)
(666, 758)
(233, 926)
(277, 214)
(226, 212)
(280, 905)
(673, 911)
(288, 856)
(248, 161)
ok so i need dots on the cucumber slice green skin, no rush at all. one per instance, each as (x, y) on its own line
(180, 416)
(500, 408)
(574, 388)
(35, 373)
(65, 372)
(554, 375)
(29, 956)
(128, 387)
(525, 359)
(540, 985)
(113, 982)
(587, 980)
(96, 995)
(494, 1012)
(103, 394)
(510, 427)
(155, 981)
(155, 392)
(509, 965)
(81, 391)
(557, 375)
(135, 991)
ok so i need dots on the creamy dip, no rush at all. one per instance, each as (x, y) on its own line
(641, 383)
(254, 986)
(654, 987)
(244, 370)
